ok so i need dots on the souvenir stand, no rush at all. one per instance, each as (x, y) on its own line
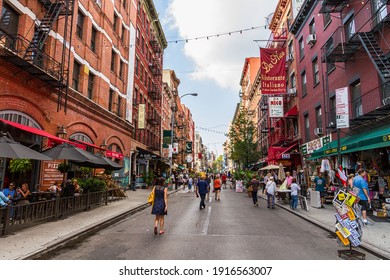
(349, 223)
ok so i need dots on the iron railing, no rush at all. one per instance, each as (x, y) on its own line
(14, 217)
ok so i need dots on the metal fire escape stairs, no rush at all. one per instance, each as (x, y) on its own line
(374, 51)
(54, 11)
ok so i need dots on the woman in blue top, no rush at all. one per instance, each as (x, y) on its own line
(321, 187)
(160, 205)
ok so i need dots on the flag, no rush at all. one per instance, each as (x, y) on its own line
(342, 177)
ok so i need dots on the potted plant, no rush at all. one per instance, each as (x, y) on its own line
(20, 167)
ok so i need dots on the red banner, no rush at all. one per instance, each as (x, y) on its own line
(111, 154)
(273, 70)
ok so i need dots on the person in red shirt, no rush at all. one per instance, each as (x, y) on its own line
(224, 177)
(217, 188)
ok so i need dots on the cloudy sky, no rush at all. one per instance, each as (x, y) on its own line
(212, 67)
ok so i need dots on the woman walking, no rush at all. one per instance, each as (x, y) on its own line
(294, 194)
(255, 187)
(217, 188)
(270, 189)
(160, 205)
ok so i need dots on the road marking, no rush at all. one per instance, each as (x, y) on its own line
(207, 222)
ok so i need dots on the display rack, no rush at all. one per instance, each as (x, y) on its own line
(351, 254)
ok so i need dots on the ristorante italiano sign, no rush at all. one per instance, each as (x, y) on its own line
(273, 70)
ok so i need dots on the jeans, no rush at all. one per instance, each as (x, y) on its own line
(254, 197)
(294, 202)
(269, 197)
(202, 198)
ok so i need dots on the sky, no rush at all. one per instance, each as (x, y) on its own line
(212, 67)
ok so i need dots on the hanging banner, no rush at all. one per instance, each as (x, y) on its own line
(342, 108)
(175, 148)
(167, 138)
(141, 116)
(273, 70)
(188, 147)
(275, 105)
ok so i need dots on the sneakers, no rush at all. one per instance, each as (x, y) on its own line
(366, 222)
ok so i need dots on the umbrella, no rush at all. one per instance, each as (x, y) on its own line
(69, 152)
(99, 161)
(12, 149)
(270, 167)
(281, 173)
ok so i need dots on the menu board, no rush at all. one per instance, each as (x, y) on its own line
(50, 174)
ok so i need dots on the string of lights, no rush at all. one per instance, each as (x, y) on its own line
(211, 130)
(186, 40)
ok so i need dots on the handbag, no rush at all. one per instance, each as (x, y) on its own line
(151, 197)
(250, 189)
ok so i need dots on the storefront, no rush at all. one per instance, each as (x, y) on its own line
(369, 150)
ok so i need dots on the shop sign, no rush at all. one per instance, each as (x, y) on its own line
(275, 105)
(141, 116)
(111, 154)
(316, 144)
(342, 108)
(285, 156)
(273, 70)
(50, 174)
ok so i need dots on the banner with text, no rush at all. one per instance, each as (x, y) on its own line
(141, 116)
(342, 108)
(275, 107)
(273, 70)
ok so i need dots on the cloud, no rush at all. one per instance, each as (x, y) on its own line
(219, 58)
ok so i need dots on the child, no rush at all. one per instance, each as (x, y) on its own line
(294, 194)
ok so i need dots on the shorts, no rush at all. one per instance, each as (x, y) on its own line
(365, 205)
(323, 194)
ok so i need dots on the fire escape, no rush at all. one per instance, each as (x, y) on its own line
(362, 33)
(31, 56)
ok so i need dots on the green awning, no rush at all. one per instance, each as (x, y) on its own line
(377, 138)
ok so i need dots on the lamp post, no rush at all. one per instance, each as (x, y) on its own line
(172, 125)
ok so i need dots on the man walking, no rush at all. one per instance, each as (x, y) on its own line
(202, 188)
(321, 187)
(363, 194)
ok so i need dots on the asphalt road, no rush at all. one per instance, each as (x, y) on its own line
(228, 229)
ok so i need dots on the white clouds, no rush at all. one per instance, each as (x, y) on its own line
(220, 59)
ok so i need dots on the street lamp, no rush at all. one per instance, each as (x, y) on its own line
(173, 122)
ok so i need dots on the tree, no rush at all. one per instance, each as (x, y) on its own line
(243, 148)
(218, 164)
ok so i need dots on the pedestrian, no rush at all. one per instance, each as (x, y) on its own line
(190, 182)
(133, 181)
(321, 187)
(224, 178)
(160, 205)
(294, 193)
(350, 181)
(69, 189)
(209, 182)
(202, 188)
(54, 190)
(4, 200)
(363, 194)
(255, 187)
(270, 189)
(217, 187)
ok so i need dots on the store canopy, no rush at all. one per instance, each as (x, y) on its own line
(292, 113)
(377, 138)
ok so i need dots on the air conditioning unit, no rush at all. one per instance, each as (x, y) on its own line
(290, 57)
(311, 39)
(318, 131)
(292, 91)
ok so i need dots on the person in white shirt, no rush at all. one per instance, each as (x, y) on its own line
(270, 189)
(294, 194)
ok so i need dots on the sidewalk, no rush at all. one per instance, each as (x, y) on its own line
(33, 241)
(376, 237)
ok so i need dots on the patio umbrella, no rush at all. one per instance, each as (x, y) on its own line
(68, 152)
(111, 165)
(99, 161)
(270, 167)
(12, 149)
(281, 173)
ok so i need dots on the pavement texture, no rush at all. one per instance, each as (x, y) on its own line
(35, 241)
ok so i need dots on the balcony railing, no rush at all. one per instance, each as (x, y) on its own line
(14, 49)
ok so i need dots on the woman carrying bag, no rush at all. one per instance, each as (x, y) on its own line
(160, 205)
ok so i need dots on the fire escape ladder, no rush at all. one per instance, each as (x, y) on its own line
(374, 51)
(53, 10)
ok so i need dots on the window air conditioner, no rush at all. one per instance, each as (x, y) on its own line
(318, 131)
(311, 39)
(292, 91)
(290, 57)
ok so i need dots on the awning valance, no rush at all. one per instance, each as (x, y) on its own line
(292, 113)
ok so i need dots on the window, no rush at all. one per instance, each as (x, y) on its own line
(93, 39)
(142, 44)
(99, 3)
(316, 73)
(349, 28)
(113, 60)
(312, 27)
(135, 97)
(124, 3)
(116, 21)
(293, 81)
(123, 35)
(121, 69)
(307, 127)
(291, 48)
(330, 66)
(301, 48)
(304, 83)
(141, 76)
(137, 36)
(356, 99)
(110, 100)
(83, 138)
(327, 19)
(332, 110)
(118, 111)
(80, 24)
(9, 20)
(76, 75)
(136, 65)
(319, 117)
(91, 80)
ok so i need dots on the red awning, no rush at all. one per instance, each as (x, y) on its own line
(111, 154)
(88, 144)
(279, 154)
(274, 151)
(292, 113)
(42, 133)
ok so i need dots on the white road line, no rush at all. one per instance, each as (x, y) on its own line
(207, 222)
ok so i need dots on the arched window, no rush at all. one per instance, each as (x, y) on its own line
(83, 138)
(115, 148)
(20, 118)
